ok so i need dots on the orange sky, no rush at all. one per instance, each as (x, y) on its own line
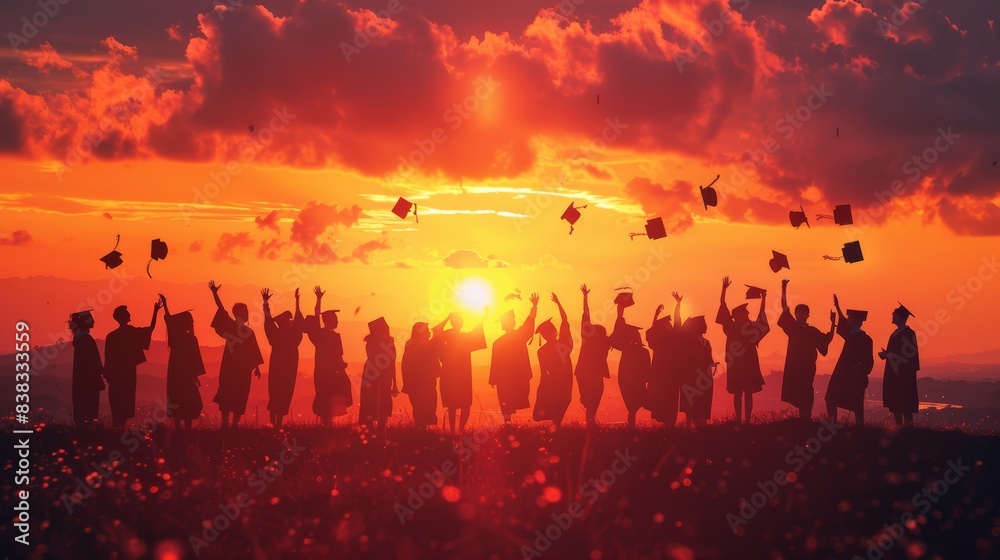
(322, 168)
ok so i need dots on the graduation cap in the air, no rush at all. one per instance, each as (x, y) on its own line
(860, 314)
(403, 208)
(754, 292)
(114, 258)
(851, 253)
(778, 261)
(571, 215)
(624, 298)
(654, 229)
(708, 195)
(798, 218)
(157, 251)
(841, 215)
(902, 310)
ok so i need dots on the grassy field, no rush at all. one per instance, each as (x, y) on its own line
(781, 489)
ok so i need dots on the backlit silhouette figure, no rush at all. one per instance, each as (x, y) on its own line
(123, 351)
(555, 386)
(804, 342)
(88, 371)
(333, 388)
(240, 359)
(510, 367)
(421, 367)
(665, 367)
(378, 377)
(633, 367)
(697, 371)
(592, 364)
(902, 362)
(284, 334)
(456, 366)
(743, 376)
(184, 366)
(850, 376)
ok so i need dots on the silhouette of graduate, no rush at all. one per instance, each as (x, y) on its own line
(510, 368)
(333, 388)
(555, 385)
(850, 376)
(240, 359)
(805, 342)
(743, 375)
(902, 362)
(421, 368)
(456, 366)
(592, 364)
(88, 371)
(123, 352)
(184, 367)
(284, 334)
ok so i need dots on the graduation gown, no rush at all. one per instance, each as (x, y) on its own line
(555, 386)
(456, 365)
(698, 381)
(184, 366)
(87, 383)
(421, 368)
(633, 369)
(664, 372)
(804, 345)
(592, 364)
(333, 387)
(850, 376)
(123, 351)
(239, 358)
(902, 362)
(510, 367)
(378, 378)
(284, 362)
(742, 363)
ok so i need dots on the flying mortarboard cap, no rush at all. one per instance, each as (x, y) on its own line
(654, 229)
(754, 292)
(860, 314)
(708, 195)
(902, 310)
(798, 218)
(624, 298)
(157, 251)
(403, 207)
(778, 261)
(114, 258)
(842, 215)
(571, 215)
(851, 253)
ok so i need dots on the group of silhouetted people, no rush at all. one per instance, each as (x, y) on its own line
(675, 373)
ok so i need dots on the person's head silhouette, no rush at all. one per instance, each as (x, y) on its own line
(547, 330)
(283, 320)
(802, 313)
(122, 315)
(240, 312)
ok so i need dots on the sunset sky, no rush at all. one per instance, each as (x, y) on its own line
(131, 118)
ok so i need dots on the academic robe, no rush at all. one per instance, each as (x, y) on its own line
(805, 342)
(87, 379)
(902, 362)
(510, 367)
(850, 376)
(421, 368)
(378, 378)
(633, 369)
(184, 366)
(698, 381)
(123, 351)
(592, 364)
(456, 365)
(284, 362)
(333, 388)
(555, 386)
(742, 363)
(239, 359)
(664, 371)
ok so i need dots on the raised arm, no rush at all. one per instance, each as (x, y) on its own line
(840, 313)
(319, 301)
(725, 286)
(761, 321)
(784, 295)
(163, 300)
(723, 317)
(298, 310)
(562, 312)
(265, 295)
(215, 294)
(156, 312)
(586, 306)
(656, 314)
(677, 310)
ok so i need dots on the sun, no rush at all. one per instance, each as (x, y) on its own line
(474, 293)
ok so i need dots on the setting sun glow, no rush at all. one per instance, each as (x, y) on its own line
(474, 293)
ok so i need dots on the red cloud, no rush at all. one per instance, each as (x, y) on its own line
(18, 238)
(230, 243)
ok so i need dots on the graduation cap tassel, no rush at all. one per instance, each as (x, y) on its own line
(829, 258)
(824, 216)
(632, 236)
(147, 267)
